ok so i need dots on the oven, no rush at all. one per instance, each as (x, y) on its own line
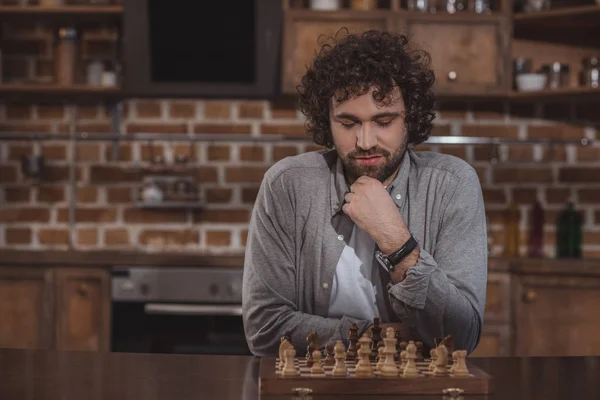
(177, 310)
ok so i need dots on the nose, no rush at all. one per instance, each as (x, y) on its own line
(366, 137)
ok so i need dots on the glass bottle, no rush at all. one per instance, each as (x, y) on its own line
(536, 231)
(511, 231)
(65, 56)
(569, 233)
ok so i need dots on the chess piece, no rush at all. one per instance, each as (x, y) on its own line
(403, 360)
(339, 368)
(398, 336)
(290, 368)
(284, 345)
(399, 348)
(441, 363)
(433, 357)
(329, 359)
(389, 367)
(352, 340)
(288, 336)
(411, 370)
(313, 344)
(363, 367)
(317, 368)
(420, 346)
(460, 363)
(380, 358)
(375, 338)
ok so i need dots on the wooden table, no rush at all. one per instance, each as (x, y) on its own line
(53, 375)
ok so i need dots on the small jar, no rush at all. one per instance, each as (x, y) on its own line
(590, 73)
(65, 56)
(482, 6)
(419, 5)
(558, 75)
(454, 6)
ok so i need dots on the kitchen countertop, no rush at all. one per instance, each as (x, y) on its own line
(53, 375)
(110, 258)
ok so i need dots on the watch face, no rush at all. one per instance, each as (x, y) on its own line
(383, 260)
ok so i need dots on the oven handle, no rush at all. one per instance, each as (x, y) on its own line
(193, 309)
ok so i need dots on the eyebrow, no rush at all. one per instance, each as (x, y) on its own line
(376, 116)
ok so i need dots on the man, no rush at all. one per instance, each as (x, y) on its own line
(371, 228)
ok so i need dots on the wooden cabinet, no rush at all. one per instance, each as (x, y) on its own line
(54, 308)
(495, 341)
(26, 308)
(83, 309)
(469, 55)
(305, 31)
(557, 315)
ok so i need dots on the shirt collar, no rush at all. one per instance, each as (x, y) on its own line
(397, 188)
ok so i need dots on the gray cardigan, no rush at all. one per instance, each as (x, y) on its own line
(298, 231)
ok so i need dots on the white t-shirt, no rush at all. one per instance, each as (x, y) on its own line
(354, 289)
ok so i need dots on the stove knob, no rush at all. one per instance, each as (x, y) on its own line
(213, 289)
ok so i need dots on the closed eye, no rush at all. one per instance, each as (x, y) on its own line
(348, 125)
(383, 124)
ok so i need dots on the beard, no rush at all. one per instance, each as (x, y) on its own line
(381, 171)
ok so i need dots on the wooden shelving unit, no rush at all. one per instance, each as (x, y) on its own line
(29, 91)
(63, 10)
(557, 95)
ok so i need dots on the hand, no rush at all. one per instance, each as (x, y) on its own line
(372, 209)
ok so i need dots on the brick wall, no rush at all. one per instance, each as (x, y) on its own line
(35, 214)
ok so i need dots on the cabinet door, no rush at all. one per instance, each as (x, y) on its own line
(497, 305)
(557, 316)
(26, 308)
(468, 55)
(304, 30)
(494, 342)
(83, 309)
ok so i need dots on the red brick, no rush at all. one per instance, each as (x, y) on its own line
(284, 108)
(217, 109)
(59, 173)
(249, 195)
(222, 128)
(185, 150)
(17, 194)
(175, 128)
(244, 237)
(52, 236)
(252, 153)
(524, 195)
(88, 152)
(219, 195)
(456, 151)
(499, 131)
(206, 174)
(182, 109)
(218, 152)
(495, 216)
(141, 216)
(554, 153)
(222, 216)
(244, 174)
(18, 236)
(148, 151)
(148, 109)
(54, 151)
(251, 109)
(87, 112)
(50, 112)
(285, 130)
(588, 153)
(562, 132)
(118, 194)
(494, 196)
(27, 127)
(109, 174)
(116, 237)
(94, 127)
(87, 236)
(520, 153)
(96, 214)
(440, 130)
(314, 147)
(557, 196)
(18, 112)
(87, 194)
(589, 195)
(8, 173)
(482, 110)
(18, 150)
(521, 174)
(51, 193)
(124, 152)
(579, 174)
(166, 237)
(281, 152)
(484, 153)
(24, 214)
(218, 238)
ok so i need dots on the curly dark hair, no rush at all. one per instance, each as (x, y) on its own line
(352, 65)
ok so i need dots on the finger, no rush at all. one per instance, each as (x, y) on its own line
(345, 208)
(348, 197)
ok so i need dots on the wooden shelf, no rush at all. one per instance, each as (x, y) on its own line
(64, 10)
(346, 13)
(558, 95)
(570, 25)
(53, 92)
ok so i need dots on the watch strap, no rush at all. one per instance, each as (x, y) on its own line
(389, 262)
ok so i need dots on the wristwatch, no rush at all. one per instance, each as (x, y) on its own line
(389, 262)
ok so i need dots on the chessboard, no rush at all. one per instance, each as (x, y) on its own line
(271, 381)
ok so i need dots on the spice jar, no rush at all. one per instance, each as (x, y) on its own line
(590, 74)
(557, 73)
(65, 56)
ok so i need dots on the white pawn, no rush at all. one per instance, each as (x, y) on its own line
(460, 363)
(339, 369)
(381, 360)
(317, 368)
(411, 370)
(289, 368)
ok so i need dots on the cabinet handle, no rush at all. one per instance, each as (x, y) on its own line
(452, 76)
(530, 296)
(82, 290)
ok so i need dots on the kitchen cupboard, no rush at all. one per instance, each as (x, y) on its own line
(54, 308)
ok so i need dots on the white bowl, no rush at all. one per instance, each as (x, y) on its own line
(531, 82)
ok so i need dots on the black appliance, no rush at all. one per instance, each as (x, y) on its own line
(186, 48)
(177, 310)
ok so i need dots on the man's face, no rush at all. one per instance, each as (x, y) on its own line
(370, 138)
